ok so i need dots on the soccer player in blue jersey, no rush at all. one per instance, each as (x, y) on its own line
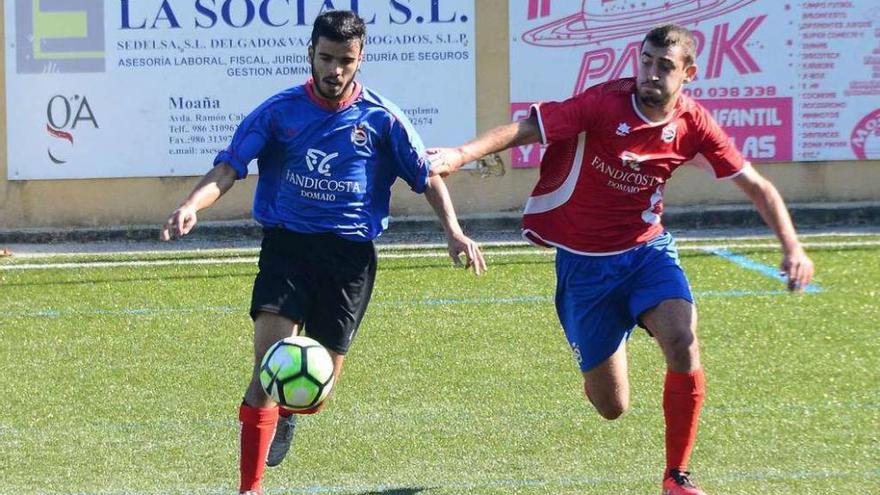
(328, 152)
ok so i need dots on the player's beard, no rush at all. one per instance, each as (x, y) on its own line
(344, 91)
(652, 99)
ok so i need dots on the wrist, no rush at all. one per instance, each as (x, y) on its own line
(451, 227)
(453, 231)
(792, 247)
(465, 155)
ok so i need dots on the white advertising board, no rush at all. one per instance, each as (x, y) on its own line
(152, 88)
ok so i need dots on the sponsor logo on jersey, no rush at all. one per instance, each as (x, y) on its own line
(668, 133)
(319, 160)
(359, 135)
(623, 129)
(629, 178)
(631, 160)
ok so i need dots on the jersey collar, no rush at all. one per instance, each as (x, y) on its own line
(331, 105)
(645, 118)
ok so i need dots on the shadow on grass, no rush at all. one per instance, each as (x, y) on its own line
(395, 491)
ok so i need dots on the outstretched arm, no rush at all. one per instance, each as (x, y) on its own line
(445, 161)
(796, 265)
(213, 185)
(438, 196)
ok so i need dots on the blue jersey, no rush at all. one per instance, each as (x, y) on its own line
(327, 170)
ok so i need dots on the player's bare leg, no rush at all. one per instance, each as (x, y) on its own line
(258, 413)
(268, 329)
(674, 324)
(607, 385)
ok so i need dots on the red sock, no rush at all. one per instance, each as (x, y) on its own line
(257, 429)
(683, 397)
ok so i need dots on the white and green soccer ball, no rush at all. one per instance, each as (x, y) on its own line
(297, 373)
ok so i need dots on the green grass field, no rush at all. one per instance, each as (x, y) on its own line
(125, 378)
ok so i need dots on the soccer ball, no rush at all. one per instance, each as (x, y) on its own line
(297, 373)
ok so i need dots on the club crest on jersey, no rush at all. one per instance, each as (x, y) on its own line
(623, 129)
(668, 133)
(631, 160)
(320, 161)
(359, 135)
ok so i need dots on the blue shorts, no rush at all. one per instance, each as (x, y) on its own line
(599, 298)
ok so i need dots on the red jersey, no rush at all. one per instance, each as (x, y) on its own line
(603, 174)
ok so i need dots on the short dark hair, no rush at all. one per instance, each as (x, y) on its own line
(341, 26)
(671, 35)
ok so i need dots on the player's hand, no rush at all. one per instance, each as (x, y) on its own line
(444, 161)
(797, 267)
(461, 243)
(179, 223)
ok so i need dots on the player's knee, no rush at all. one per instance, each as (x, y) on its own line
(683, 340)
(682, 350)
(613, 410)
(682, 343)
(609, 407)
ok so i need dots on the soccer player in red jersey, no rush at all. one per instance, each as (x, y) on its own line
(599, 200)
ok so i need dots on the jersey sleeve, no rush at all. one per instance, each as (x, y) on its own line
(724, 160)
(248, 141)
(408, 153)
(561, 120)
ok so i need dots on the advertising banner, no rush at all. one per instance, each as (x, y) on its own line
(788, 80)
(152, 88)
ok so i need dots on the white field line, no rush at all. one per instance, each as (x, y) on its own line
(426, 253)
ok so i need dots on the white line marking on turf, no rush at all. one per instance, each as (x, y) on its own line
(525, 251)
(116, 264)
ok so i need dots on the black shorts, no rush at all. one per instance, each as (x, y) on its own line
(322, 280)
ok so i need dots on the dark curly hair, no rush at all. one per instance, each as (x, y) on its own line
(340, 26)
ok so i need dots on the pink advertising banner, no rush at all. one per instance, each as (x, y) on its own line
(789, 80)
